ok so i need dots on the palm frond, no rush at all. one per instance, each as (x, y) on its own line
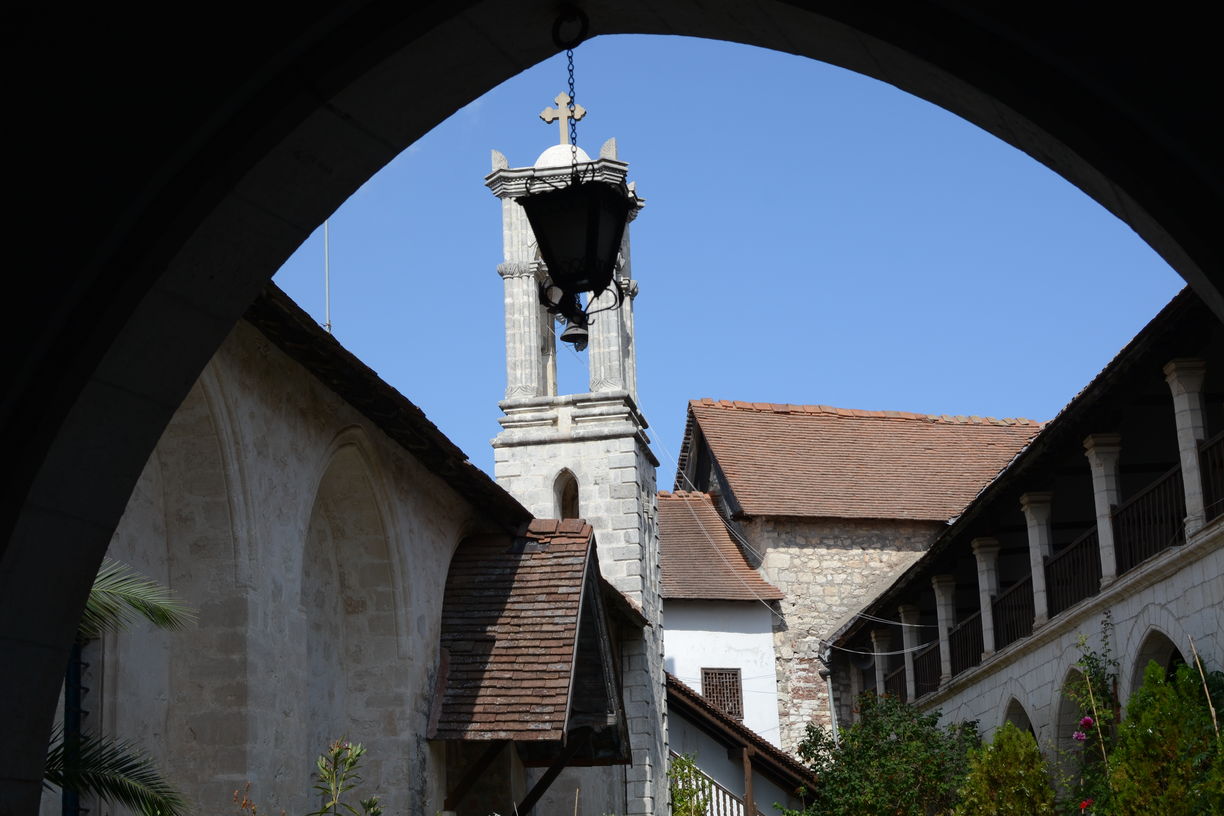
(116, 771)
(120, 595)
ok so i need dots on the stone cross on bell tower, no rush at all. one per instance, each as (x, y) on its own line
(562, 112)
(586, 455)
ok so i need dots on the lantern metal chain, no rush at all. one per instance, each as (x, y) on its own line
(573, 121)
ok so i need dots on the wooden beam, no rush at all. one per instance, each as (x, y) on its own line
(472, 774)
(575, 741)
(750, 808)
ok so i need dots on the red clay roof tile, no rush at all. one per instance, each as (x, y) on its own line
(821, 461)
(509, 625)
(699, 558)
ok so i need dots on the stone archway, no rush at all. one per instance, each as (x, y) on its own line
(191, 179)
(1156, 646)
(352, 683)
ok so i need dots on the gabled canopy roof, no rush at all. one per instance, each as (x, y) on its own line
(823, 462)
(527, 655)
(700, 560)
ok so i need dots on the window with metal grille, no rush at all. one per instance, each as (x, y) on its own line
(722, 688)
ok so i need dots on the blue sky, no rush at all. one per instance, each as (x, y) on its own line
(810, 235)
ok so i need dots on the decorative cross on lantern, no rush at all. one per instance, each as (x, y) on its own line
(562, 113)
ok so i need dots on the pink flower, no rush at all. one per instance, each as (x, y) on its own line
(1084, 805)
(1087, 722)
(1079, 736)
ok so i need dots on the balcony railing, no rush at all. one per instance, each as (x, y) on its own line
(965, 643)
(926, 670)
(1013, 613)
(894, 684)
(1211, 462)
(717, 800)
(1151, 521)
(1074, 574)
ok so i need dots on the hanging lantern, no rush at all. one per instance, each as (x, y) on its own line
(578, 229)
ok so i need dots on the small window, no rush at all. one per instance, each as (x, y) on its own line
(722, 688)
(566, 490)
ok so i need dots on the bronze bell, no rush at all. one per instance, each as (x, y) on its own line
(576, 333)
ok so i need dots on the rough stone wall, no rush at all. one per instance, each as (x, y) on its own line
(315, 551)
(827, 569)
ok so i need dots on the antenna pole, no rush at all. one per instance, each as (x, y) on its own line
(326, 281)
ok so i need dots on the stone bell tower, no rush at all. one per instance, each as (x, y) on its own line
(586, 456)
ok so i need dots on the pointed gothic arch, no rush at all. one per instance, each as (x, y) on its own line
(1158, 647)
(351, 682)
(202, 190)
(1015, 714)
(566, 498)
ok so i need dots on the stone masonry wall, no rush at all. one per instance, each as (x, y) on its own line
(827, 569)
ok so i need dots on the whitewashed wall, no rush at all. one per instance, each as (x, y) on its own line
(726, 634)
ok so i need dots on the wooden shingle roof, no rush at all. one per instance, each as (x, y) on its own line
(819, 461)
(526, 654)
(700, 560)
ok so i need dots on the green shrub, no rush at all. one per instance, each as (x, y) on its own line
(1166, 759)
(689, 794)
(1007, 778)
(894, 761)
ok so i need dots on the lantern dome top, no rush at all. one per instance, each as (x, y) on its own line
(559, 156)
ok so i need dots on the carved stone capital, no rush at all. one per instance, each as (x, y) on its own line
(516, 269)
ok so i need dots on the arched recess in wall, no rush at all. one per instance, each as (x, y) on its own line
(183, 695)
(1015, 714)
(565, 495)
(203, 190)
(1156, 646)
(352, 683)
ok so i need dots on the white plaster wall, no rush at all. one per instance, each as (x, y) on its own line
(726, 634)
(223, 514)
(1178, 593)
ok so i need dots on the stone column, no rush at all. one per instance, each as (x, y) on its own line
(945, 609)
(881, 640)
(630, 290)
(524, 361)
(1103, 451)
(607, 342)
(856, 688)
(986, 551)
(910, 617)
(1185, 379)
(1036, 507)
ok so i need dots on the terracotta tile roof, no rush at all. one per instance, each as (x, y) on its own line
(819, 461)
(700, 560)
(778, 764)
(509, 628)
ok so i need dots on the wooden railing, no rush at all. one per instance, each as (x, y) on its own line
(894, 684)
(926, 670)
(714, 799)
(965, 643)
(1073, 574)
(1151, 521)
(1211, 463)
(1013, 613)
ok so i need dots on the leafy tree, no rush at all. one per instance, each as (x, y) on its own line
(117, 771)
(1167, 757)
(894, 761)
(689, 795)
(1008, 777)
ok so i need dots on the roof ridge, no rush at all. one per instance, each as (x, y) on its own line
(859, 413)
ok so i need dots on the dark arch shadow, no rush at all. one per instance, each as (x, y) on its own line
(163, 179)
